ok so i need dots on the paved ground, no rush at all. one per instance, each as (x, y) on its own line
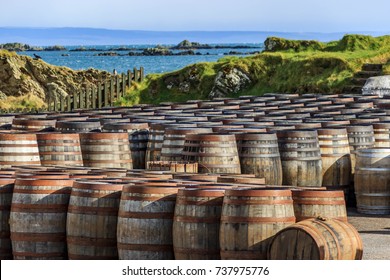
(375, 233)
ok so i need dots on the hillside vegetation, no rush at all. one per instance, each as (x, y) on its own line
(287, 66)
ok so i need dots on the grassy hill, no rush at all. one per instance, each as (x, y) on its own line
(287, 66)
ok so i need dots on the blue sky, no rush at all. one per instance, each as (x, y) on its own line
(208, 15)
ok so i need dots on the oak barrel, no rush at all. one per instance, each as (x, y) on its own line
(317, 239)
(92, 219)
(6, 190)
(250, 217)
(38, 218)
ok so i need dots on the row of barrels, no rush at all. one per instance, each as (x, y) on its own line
(80, 213)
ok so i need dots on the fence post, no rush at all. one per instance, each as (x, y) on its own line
(62, 104)
(105, 94)
(75, 100)
(55, 104)
(87, 96)
(100, 96)
(141, 74)
(93, 97)
(136, 76)
(112, 91)
(123, 84)
(129, 78)
(49, 103)
(81, 99)
(69, 103)
(118, 87)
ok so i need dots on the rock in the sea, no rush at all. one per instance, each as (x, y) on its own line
(229, 81)
(379, 85)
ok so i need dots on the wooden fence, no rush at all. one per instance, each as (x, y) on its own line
(102, 95)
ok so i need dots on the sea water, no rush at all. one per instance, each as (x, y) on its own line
(82, 60)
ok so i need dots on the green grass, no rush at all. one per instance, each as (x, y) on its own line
(296, 66)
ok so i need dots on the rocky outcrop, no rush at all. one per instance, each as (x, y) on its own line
(22, 75)
(275, 44)
(229, 81)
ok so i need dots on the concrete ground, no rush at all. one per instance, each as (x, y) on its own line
(375, 233)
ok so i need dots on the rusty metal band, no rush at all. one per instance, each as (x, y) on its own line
(101, 187)
(197, 220)
(318, 202)
(228, 201)
(146, 247)
(56, 182)
(39, 208)
(86, 210)
(318, 194)
(152, 188)
(16, 162)
(91, 241)
(38, 237)
(197, 251)
(40, 255)
(150, 198)
(115, 195)
(2, 145)
(305, 158)
(52, 192)
(259, 155)
(61, 137)
(145, 215)
(334, 155)
(231, 219)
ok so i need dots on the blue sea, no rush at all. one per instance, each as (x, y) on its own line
(81, 60)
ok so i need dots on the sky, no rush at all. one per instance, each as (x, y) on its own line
(203, 15)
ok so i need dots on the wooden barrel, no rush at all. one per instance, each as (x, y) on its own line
(301, 157)
(359, 137)
(38, 218)
(259, 155)
(215, 153)
(156, 139)
(196, 224)
(59, 149)
(106, 149)
(250, 217)
(92, 220)
(382, 134)
(336, 158)
(33, 124)
(18, 149)
(173, 166)
(78, 126)
(6, 190)
(138, 138)
(372, 181)
(313, 203)
(173, 141)
(145, 221)
(317, 239)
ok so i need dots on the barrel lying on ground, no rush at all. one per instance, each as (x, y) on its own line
(317, 239)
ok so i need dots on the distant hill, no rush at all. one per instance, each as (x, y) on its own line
(93, 36)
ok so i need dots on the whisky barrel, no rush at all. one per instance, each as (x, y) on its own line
(33, 124)
(215, 153)
(382, 134)
(173, 141)
(250, 217)
(18, 149)
(259, 155)
(317, 239)
(106, 149)
(196, 224)
(336, 158)
(6, 190)
(173, 166)
(78, 126)
(59, 149)
(372, 181)
(38, 218)
(138, 138)
(156, 139)
(144, 229)
(92, 219)
(313, 203)
(301, 157)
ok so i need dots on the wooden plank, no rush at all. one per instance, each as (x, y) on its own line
(118, 86)
(49, 107)
(55, 104)
(142, 74)
(69, 103)
(112, 91)
(93, 97)
(81, 99)
(75, 100)
(87, 97)
(100, 96)
(123, 84)
(136, 75)
(106, 92)
(62, 104)
(129, 78)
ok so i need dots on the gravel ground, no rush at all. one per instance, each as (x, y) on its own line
(375, 233)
